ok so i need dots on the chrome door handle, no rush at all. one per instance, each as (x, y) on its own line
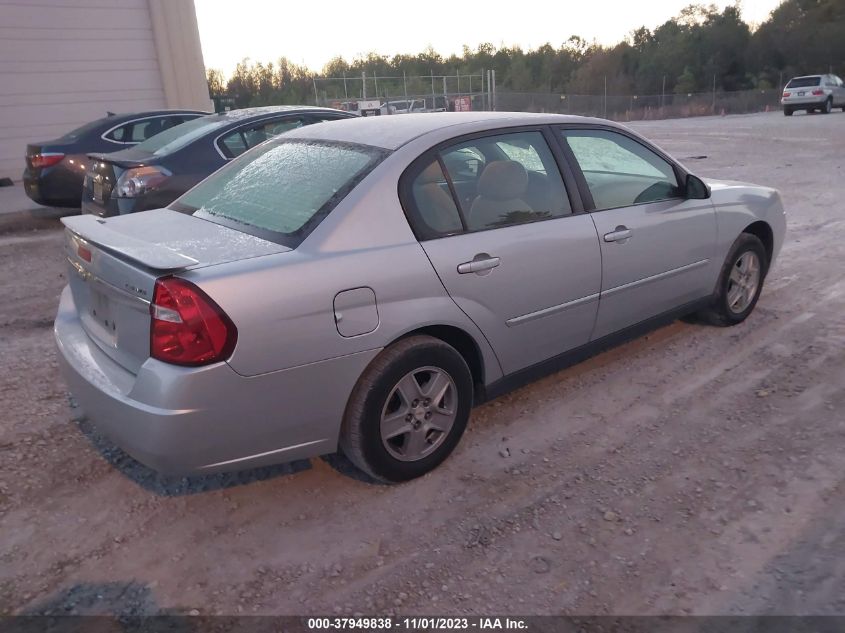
(482, 263)
(620, 234)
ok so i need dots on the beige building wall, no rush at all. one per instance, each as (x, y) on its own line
(66, 62)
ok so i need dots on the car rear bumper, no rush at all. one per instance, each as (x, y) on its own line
(206, 419)
(53, 186)
(800, 102)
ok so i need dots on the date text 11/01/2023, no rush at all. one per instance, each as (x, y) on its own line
(417, 624)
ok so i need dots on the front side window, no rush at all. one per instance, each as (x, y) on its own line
(620, 171)
(282, 190)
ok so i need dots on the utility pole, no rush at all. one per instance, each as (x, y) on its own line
(605, 96)
(433, 95)
(316, 97)
(714, 94)
(405, 85)
(663, 96)
(363, 85)
(458, 76)
(345, 91)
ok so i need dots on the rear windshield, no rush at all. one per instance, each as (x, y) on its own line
(181, 135)
(283, 189)
(804, 82)
(84, 129)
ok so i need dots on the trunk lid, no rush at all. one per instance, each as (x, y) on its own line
(104, 170)
(47, 147)
(115, 262)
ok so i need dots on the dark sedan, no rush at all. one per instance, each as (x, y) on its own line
(154, 173)
(56, 169)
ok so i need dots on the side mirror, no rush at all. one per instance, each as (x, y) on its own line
(696, 189)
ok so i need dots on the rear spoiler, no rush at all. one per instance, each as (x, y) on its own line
(95, 230)
(120, 162)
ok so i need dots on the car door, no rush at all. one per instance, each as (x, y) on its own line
(657, 246)
(517, 256)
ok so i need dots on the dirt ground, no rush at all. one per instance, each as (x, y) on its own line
(696, 470)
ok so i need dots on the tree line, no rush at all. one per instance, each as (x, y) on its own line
(698, 50)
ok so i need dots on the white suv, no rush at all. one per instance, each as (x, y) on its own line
(813, 92)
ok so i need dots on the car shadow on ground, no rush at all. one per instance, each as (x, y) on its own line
(110, 598)
(176, 486)
(123, 607)
(340, 463)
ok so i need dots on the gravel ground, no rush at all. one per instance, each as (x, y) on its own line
(695, 470)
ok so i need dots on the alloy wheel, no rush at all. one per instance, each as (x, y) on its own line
(419, 413)
(743, 282)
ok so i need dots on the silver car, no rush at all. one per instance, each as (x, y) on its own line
(813, 92)
(362, 284)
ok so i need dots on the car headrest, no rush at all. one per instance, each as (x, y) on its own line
(503, 180)
(430, 174)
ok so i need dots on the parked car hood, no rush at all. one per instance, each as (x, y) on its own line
(714, 183)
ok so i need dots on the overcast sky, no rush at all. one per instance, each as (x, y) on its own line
(311, 33)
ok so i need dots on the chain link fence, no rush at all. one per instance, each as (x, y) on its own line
(436, 93)
(641, 107)
(401, 93)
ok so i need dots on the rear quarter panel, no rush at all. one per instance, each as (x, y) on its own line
(282, 304)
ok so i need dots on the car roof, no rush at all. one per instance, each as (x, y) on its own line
(392, 132)
(247, 113)
(808, 77)
(128, 116)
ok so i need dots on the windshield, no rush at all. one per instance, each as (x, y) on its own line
(283, 189)
(181, 135)
(804, 82)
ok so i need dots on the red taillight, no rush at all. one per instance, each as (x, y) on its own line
(187, 327)
(84, 253)
(818, 93)
(39, 161)
(785, 94)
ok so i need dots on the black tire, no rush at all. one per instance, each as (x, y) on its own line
(360, 436)
(719, 312)
(787, 112)
(827, 108)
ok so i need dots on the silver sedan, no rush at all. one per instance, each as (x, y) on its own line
(360, 285)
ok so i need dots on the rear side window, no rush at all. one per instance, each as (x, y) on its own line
(236, 143)
(179, 136)
(804, 82)
(620, 171)
(486, 183)
(282, 190)
(433, 200)
(139, 131)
